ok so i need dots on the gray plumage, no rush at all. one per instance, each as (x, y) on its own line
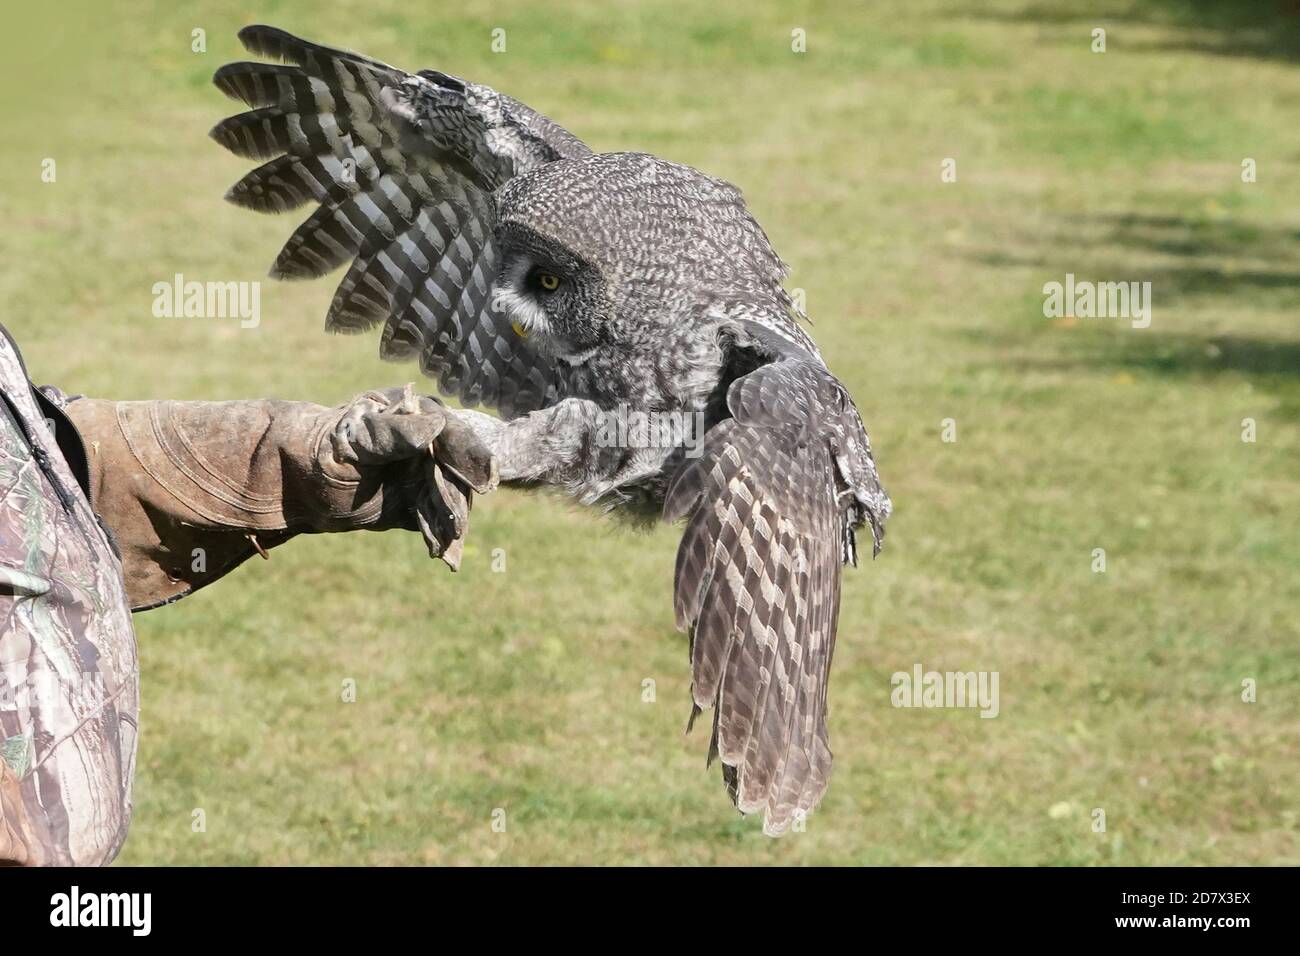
(558, 285)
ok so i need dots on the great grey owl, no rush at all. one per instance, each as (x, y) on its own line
(572, 290)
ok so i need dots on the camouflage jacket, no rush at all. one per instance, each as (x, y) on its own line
(68, 675)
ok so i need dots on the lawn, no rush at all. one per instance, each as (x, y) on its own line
(523, 690)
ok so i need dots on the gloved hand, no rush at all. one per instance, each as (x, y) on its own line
(422, 462)
(192, 489)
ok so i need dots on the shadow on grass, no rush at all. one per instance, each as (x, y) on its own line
(1201, 236)
(1267, 361)
(1184, 354)
(1191, 261)
(1183, 257)
(1271, 365)
(1171, 285)
(1256, 29)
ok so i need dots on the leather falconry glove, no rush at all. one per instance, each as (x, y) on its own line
(191, 490)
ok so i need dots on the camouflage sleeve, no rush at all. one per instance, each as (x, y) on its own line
(68, 672)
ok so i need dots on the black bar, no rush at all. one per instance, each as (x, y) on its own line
(977, 906)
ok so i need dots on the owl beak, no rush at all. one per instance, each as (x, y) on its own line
(519, 330)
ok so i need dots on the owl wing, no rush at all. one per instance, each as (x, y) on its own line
(402, 168)
(772, 504)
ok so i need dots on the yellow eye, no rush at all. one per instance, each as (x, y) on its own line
(548, 282)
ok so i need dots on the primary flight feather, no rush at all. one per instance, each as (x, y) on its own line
(569, 290)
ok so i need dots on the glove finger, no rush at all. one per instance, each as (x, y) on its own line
(462, 453)
(349, 426)
(455, 501)
(386, 436)
(460, 499)
(452, 554)
(386, 424)
(442, 515)
(425, 519)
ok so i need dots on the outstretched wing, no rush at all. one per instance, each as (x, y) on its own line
(402, 168)
(773, 503)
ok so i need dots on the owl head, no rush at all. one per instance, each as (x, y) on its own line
(609, 248)
(550, 293)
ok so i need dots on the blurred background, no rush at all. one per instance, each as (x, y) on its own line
(523, 690)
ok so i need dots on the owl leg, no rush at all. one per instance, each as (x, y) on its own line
(560, 445)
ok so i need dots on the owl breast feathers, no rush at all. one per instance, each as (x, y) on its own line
(560, 286)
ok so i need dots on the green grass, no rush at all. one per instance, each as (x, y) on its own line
(522, 690)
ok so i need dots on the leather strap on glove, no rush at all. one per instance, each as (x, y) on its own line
(192, 489)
